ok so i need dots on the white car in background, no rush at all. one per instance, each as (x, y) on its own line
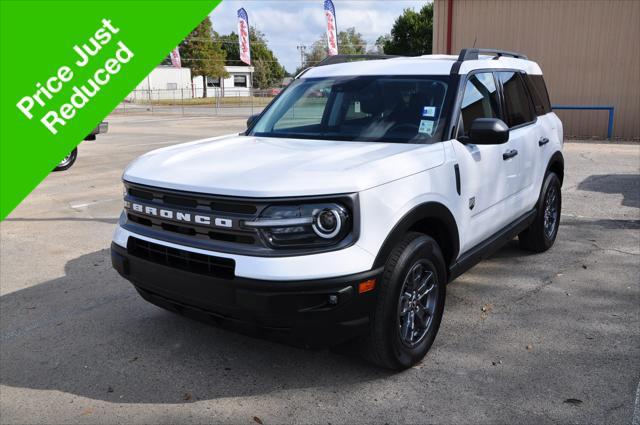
(70, 159)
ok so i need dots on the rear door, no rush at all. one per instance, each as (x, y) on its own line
(520, 116)
(547, 129)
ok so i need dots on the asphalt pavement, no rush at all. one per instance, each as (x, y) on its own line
(528, 339)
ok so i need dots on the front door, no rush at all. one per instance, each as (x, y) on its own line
(486, 177)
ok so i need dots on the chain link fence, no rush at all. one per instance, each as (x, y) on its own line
(190, 101)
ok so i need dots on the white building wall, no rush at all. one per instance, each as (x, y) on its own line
(228, 86)
(164, 82)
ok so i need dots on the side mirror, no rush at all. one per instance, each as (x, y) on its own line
(488, 131)
(252, 119)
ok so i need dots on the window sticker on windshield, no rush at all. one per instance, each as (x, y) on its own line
(356, 106)
(426, 127)
(428, 111)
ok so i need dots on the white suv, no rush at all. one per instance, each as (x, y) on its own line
(350, 201)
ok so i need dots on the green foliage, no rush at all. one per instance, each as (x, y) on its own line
(380, 42)
(315, 54)
(229, 43)
(200, 53)
(268, 71)
(350, 42)
(412, 33)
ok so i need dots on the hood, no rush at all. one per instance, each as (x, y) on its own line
(272, 167)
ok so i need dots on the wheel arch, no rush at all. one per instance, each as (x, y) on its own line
(556, 165)
(432, 219)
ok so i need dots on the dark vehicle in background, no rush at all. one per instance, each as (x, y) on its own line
(70, 159)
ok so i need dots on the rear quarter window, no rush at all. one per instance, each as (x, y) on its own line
(539, 94)
(518, 106)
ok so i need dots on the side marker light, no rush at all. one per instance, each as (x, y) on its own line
(366, 286)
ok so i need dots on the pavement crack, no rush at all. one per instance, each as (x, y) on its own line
(613, 249)
(534, 291)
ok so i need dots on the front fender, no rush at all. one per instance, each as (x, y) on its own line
(427, 210)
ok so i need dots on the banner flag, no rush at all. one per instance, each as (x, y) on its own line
(332, 31)
(243, 36)
(175, 58)
(73, 63)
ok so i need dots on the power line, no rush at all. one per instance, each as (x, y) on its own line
(265, 43)
(236, 60)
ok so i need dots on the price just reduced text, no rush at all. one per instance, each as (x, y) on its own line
(81, 94)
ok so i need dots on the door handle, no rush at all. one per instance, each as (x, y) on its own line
(543, 141)
(509, 154)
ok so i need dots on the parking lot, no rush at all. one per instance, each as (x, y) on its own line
(548, 338)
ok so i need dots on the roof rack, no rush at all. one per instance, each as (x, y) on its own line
(332, 60)
(472, 54)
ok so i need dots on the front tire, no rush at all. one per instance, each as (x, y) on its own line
(67, 161)
(410, 304)
(541, 234)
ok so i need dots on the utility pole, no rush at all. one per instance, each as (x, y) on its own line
(301, 48)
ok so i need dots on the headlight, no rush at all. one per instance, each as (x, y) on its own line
(328, 222)
(302, 226)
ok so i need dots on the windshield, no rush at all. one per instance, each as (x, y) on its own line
(400, 109)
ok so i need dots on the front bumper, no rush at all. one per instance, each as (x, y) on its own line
(316, 313)
(101, 128)
(345, 262)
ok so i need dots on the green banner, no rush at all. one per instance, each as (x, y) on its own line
(64, 65)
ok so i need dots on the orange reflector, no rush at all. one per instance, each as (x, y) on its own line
(366, 286)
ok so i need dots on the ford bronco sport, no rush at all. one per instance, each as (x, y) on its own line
(350, 201)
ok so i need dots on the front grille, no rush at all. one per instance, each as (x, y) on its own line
(213, 223)
(205, 236)
(218, 206)
(223, 268)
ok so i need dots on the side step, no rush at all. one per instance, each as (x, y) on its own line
(491, 245)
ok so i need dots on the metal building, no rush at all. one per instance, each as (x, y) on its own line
(589, 52)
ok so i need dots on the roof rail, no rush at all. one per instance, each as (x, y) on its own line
(301, 72)
(472, 54)
(331, 60)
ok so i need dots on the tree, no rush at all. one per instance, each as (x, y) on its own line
(378, 48)
(411, 34)
(268, 71)
(350, 42)
(200, 53)
(316, 53)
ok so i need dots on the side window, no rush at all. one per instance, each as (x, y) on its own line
(480, 99)
(539, 95)
(519, 109)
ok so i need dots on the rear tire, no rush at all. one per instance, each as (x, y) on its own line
(410, 304)
(541, 234)
(68, 161)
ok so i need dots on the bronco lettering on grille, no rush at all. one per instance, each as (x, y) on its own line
(176, 215)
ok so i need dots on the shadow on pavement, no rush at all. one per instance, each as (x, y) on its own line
(89, 333)
(626, 184)
(511, 342)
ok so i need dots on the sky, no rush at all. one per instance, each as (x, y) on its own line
(289, 23)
